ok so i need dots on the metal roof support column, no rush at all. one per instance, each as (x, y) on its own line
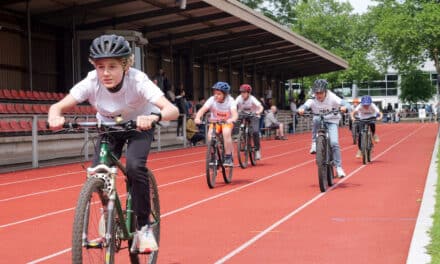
(254, 75)
(217, 68)
(29, 35)
(201, 91)
(229, 70)
(242, 70)
(190, 75)
(170, 44)
(209, 77)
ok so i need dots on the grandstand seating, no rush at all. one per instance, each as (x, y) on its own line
(17, 106)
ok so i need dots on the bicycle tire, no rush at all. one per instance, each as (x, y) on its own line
(364, 149)
(369, 147)
(154, 221)
(330, 171)
(226, 170)
(242, 149)
(321, 149)
(88, 212)
(211, 165)
(251, 147)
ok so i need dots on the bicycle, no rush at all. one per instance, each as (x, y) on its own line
(245, 144)
(324, 154)
(97, 241)
(365, 137)
(215, 157)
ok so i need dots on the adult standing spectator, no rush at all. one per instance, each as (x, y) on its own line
(183, 110)
(162, 81)
(293, 108)
(263, 115)
(272, 122)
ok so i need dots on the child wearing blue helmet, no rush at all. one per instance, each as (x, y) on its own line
(365, 110)
(222, 107)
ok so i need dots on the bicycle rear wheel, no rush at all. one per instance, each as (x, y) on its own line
(154, 221)
(242, 149)
(321, 151)
(226, 170)
(87, 239)
(211, 165)
(369, 147)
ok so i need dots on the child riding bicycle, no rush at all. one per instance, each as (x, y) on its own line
(222, 108)
(326, 100)
(116, 90)
(366, 110)
(246, 102)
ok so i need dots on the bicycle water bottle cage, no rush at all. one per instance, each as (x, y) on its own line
(104, 173)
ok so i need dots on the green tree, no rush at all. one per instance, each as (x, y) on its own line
(416, 87)
(281, 11)
(407, 32)
(332, 25)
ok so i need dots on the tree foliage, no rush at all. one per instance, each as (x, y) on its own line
(281, 11)
(416, 87)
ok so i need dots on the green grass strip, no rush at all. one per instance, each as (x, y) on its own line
(434, 246)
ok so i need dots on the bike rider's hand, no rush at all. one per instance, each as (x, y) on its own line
(145, 122)
(301, 111)
(56, 121)
(343, 109)
(197, 121)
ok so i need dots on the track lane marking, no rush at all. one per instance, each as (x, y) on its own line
(254, 239)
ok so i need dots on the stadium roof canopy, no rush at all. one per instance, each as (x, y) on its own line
(219, 31)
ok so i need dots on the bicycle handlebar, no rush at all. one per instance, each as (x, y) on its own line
(102, 125)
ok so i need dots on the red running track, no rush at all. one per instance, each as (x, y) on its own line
(271, 213)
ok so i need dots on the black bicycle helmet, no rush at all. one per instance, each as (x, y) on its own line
(109, 46)
(320, 85)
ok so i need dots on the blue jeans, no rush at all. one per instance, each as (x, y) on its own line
(334, 139)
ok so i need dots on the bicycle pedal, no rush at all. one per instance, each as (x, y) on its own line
(94, 244)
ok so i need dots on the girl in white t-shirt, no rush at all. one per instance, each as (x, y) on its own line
(115, 89)
(222, 107)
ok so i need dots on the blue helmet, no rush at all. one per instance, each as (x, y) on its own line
(320, 85)
(366, 100)
(222, 86)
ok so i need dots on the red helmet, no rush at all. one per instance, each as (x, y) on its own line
(245, 88)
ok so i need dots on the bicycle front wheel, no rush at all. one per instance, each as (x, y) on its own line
(321, 162)
(226, 170)
(211, 165)
(154, 221)
(364, 148)
(90, 224)
(242, 149)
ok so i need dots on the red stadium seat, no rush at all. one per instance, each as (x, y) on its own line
(44, 108)
(19, 108)
(3, 109)
(30, 95)
(7, 94)
(42, 127)
(25, 125)
(37, 95)
(37, 109)
(10, 108)
(5, 127)
(22, 95)
(15, 125)
(15, 94)
(28, 109)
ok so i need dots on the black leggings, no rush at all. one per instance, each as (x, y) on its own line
(138, 148)
(373, 131)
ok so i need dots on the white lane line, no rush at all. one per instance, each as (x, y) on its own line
(245, 245)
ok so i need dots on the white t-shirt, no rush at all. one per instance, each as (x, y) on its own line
(250, 105)
(331, 101)
(221, 111)
(371, 111)
(136, 97)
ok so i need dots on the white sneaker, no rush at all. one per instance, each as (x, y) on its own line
(257, 155)
(340, 172)
(146, 241)
(313, 148)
